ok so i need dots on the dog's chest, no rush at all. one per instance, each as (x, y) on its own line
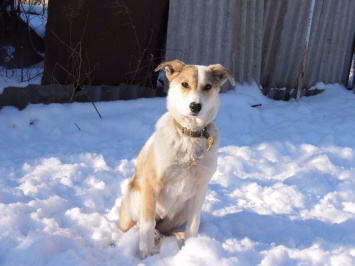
(185, 178)
(186, 175)
(184, 166)
(182, 183)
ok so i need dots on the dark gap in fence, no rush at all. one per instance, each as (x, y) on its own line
(285, 94)
(56, 93)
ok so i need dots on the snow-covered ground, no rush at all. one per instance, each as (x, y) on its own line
(283, 193)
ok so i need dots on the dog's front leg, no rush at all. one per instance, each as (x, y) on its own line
(147, 222)
(194, 214)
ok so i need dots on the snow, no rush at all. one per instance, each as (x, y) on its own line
(35, 16)
(20, 77)
(283, 192)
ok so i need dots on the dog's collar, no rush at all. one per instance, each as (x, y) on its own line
(196, 133)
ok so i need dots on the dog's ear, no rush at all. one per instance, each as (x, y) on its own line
(222, 74)
(172, 68)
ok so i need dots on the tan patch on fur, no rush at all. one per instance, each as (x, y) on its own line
(222, 74)
(146, 169)
(172, 68)
(215, 75)
(177, 71)
(134, 183)
(212, 80)
(188, 75)
(125, 222)
(146, 182)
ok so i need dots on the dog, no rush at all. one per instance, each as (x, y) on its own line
(175, 165)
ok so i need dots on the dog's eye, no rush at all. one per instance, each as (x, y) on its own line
(207, 87)
(185, 84)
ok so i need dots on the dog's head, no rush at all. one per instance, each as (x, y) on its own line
(193, 91)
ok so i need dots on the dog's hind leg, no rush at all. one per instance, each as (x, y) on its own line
(125, 220)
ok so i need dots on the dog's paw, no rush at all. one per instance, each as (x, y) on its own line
(147, 250)
(144, 253)
(156, 237)
(178, 234)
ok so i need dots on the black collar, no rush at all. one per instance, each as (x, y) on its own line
(196, 134)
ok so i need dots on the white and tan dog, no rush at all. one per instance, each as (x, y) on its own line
(175, 165)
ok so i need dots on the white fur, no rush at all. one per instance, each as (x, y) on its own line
(146, 235)
(183, 166)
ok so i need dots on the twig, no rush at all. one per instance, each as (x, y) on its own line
(97, 111)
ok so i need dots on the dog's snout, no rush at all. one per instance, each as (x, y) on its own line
(195, 107)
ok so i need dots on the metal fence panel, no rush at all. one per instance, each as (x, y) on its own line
(332, 40)
(263, 40)
(209, 32)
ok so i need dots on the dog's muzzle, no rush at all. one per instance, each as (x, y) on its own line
(195, 107)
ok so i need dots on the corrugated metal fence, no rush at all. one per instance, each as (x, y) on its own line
(263, 40)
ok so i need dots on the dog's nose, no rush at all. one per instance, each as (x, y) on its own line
(195, 107)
